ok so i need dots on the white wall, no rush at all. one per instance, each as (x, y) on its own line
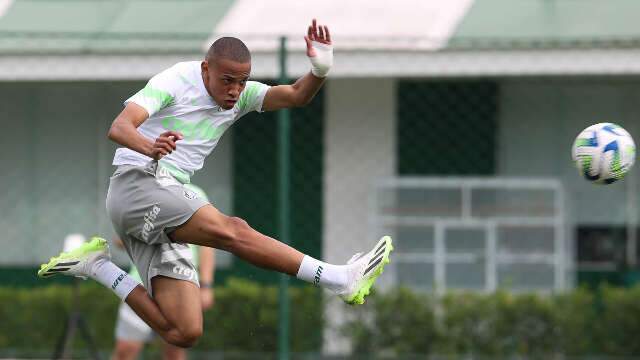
(538, 122)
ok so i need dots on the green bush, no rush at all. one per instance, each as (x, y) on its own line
(619, 321)
(410, 330)
(575, 314)
(502, 324)
(402, 322)
(244, 318)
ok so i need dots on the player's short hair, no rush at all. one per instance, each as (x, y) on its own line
(229, 48)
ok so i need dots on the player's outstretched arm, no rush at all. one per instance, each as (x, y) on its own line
(320, 53)
(124, 132)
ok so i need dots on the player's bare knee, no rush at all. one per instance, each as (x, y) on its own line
(188, 337)
(230, 233)
(190, 332)
(183, 341)
(240, 229)
(184, 335)
(192, 336)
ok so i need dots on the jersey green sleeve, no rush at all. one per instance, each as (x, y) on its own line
(159, 92)
(252, 97)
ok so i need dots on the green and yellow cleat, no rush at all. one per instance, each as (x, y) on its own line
(77, 262)
(369, 267)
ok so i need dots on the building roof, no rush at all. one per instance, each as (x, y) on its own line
(554, 23)
(166, 26)
(124, 39)
(355, 24)
(133, 26)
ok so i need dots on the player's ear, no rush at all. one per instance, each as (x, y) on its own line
(204, 66)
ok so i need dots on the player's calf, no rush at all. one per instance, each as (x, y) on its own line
(180, 326)
(127, 350)
(179, 302)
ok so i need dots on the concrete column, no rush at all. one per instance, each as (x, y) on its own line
(359, 139)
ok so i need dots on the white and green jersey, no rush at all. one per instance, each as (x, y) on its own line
(177, 100)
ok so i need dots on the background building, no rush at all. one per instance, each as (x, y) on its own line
(489, 91)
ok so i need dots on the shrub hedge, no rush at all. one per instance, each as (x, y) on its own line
(245, 320)
(577, 323)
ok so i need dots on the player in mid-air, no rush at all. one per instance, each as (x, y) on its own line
(132, 333)
(166, 130)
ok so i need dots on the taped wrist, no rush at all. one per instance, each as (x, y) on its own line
(322, 62)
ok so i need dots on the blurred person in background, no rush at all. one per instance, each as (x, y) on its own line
(167, 130)
(132, 333)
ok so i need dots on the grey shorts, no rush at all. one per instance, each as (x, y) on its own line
(145, 204)
(130, 327)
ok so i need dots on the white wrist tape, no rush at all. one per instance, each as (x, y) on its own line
(322, 62)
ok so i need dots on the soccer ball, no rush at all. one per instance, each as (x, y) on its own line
(604, 153)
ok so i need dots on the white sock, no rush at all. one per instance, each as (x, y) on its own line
(332, 277)
(111, 276)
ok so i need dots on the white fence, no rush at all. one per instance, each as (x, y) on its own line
(474, 233)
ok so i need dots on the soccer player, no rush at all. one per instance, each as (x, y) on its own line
(132, 332)
(166, 130)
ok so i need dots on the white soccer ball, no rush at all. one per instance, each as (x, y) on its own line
(604, 153)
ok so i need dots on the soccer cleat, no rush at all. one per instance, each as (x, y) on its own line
(367, 268)
(77, 262)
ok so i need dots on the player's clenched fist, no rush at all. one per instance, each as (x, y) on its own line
(165, 144)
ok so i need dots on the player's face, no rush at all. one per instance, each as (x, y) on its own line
(225, 79)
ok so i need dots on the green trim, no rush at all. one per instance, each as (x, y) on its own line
(583, 142)
(357, 297)
(96, 244)
(162, 97)
(585, 163)
(176, 172)
(250, 92)
(203, 129)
